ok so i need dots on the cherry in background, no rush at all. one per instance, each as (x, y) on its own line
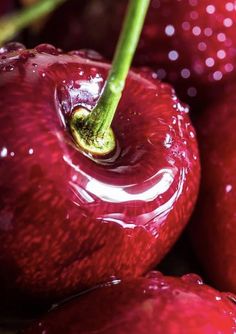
(190, 43)
(214, 226)
(156, 304)
(68, 221)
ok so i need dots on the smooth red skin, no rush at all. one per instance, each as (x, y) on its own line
(99, 24)
(213, 230)
(67, 222)
(156, 304)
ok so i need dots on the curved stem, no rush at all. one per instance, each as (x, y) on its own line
(92, 131)
(11, 24)
(105, 110)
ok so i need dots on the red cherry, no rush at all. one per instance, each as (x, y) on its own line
(156, 304)
(68, 221)
(190, 43)
(214, 227)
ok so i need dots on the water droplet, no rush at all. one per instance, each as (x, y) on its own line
(208, 32)
(194, 15)
(88, 54)
(173, 55)
(228, 188)
(229, 67)
(185, 73)
(3, 152)
(221, 37)
(9, 68)
(231, 297)
(47, 48)
(221, 54)
(228, 22)
(202, 46)
(10, 47)
(196, 31)
(64, 103)
(229, 6)
(192, 278)
(209, 62)
(210, 9)
(217, 75)
(154, 274)
(169, 30)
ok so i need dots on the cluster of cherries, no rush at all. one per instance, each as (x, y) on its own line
(73, 222)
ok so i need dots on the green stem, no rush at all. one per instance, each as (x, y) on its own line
(11, 24)
(92, 131)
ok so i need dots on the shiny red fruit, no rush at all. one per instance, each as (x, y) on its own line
(214, 226)
(190, 43)
(156, 304)
(68, 221)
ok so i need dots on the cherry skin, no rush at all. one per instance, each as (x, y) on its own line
(155, 304)
(192, 49)
(214, 226)
(69, 221)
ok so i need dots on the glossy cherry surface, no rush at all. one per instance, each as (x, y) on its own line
(190, 43)
(214, 226)
(156, 304)
(68, 221)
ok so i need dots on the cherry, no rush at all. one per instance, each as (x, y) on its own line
(155, 304)
(189, 43)
(69, 221)
(214, 226)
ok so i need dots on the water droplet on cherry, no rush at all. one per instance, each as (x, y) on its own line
(48, 49)
(87, 54)
(192, 278)
(10, 47)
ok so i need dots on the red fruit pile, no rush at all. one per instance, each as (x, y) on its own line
(190, 43)
(70, 220)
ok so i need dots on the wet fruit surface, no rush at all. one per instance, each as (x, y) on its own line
(156, 304)
(68, 221)
(214, 227)
(190, 43)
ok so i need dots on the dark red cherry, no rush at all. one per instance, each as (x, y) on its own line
(156, 304)
(190, 43)
(214, 226)
(67, 220)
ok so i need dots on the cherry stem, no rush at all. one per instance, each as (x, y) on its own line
(93, 131)
(11, 24)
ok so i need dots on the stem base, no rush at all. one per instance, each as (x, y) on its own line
(86, 139)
